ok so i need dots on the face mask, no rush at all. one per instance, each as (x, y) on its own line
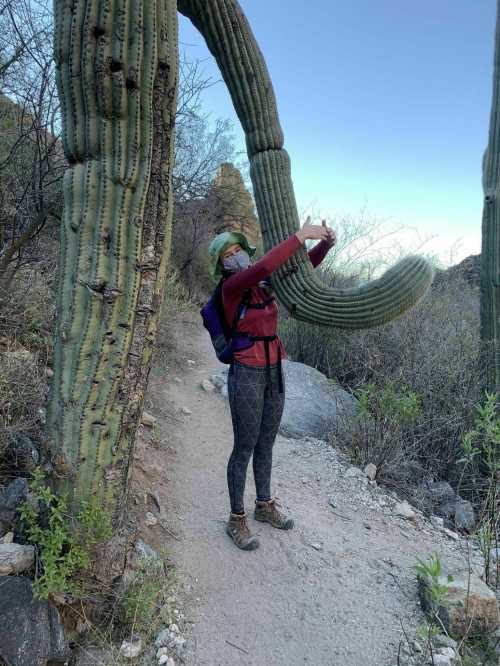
(236, 262)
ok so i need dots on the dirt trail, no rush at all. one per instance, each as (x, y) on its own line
(333, 591)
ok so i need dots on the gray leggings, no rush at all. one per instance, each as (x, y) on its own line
(256, 409)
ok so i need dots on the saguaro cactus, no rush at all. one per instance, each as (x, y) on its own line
(117, 74)
(233, 45)
(490, 253)
(116, 63)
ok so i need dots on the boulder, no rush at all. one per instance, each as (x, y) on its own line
(465, 518)
(468, 606)
(31, 631)
(10, 498)
(314, 406)
(446, 503)
(15, 558)
(23, 452)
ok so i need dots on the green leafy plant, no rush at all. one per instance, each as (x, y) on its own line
(399, 407)
(64, 542)
(435, 591)
(481, 457)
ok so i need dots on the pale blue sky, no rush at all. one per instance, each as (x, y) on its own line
(384, 104)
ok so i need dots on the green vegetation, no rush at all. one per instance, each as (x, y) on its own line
(64, 543)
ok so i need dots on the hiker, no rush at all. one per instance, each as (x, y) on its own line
(255, 382)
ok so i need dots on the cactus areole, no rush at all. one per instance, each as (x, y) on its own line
(490, 252)
(117, 78)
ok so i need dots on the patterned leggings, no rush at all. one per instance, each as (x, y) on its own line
(256, 409)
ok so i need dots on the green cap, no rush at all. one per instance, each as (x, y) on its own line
(221, 243)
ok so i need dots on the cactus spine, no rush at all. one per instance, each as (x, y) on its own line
(233, 45)
(490, 253)
(116, 64)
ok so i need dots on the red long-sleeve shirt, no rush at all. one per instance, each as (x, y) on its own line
(262, 322)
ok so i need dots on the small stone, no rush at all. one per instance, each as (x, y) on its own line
(163, 659)
(186, 411)
(370, 471)
(178, 380)
(207, 386)
(163, 639)
(191, 363)
(49, 373)
(131, 649)
(405, 510)
(7, 538)
(162, 652)
(437, 522)
(150, 519)
(174, 628)
(219, 381)
(148, 420)
(451, 534)
(317, 546)
(144, 550)
(332, 503)
(367, 526)
(15, 558)
(304, 480)
(465, 517)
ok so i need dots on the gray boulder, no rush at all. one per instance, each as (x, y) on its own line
(15, 558)
(10, 498)
(314, 406)
(30, 630)
(444, 502)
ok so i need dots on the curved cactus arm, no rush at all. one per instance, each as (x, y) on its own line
(230, 40)
(109, 56)
(490, 252)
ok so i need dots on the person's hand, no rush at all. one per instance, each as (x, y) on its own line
(312, 232)
(332, 236)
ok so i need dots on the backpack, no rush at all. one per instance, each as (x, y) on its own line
(225, 340)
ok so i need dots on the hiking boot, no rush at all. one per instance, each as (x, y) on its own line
(267, 512)
(237, 529)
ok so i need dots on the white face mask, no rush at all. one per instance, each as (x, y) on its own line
(237, 262)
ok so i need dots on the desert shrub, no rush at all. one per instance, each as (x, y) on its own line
(26, 313)
(431, 351)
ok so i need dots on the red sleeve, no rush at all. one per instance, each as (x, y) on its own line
(234, 286)
(319, 252)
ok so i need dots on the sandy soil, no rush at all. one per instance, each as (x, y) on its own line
(333, 591)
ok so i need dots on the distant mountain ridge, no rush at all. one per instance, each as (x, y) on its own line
(469, 269)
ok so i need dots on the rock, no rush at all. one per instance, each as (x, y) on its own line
(131, 649)
(219, 380)
(31, 631)
(186, 411)
(150, 519)
(164, 639)
(446, 657)
(49, 373)
(465, 518)
(144, 550)
(313, 406)
(148, 420)
(15, 558)
(7, 538)
(332, 503)
(162, 652)
(191, 363)
(469, 606)
(23, 452)
(451, 534)
(170, 661)
(370, 471)
(11, 497)
(207, 386)
(163, 659)
(437, 522)
(317, 546)
(442, 640)
(174, 629)
(405, 510)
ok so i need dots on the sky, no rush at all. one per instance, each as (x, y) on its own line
(385, 108)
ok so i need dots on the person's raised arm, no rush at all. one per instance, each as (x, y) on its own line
(272, 260)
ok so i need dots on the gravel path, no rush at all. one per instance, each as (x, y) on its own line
(333, 591)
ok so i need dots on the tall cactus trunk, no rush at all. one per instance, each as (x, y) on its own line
(490, 253)
(117, 73)
(230, 39)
